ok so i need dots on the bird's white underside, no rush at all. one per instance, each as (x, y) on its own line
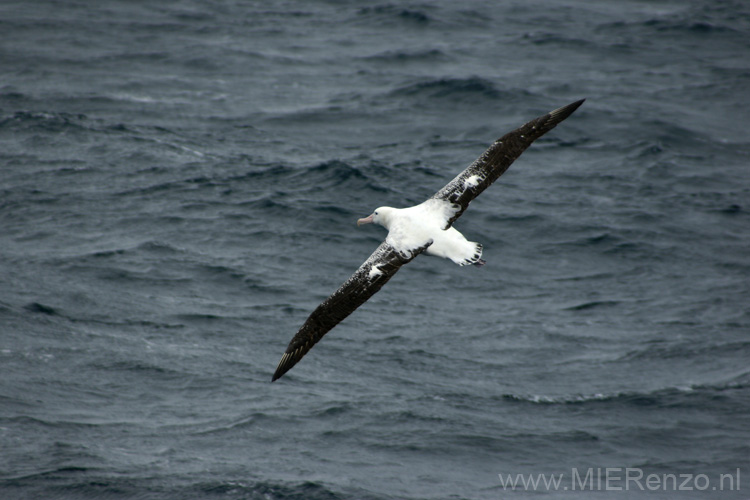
(414, 227)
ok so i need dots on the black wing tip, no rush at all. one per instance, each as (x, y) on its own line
(279, 373)
(288, 360)
(562, 113)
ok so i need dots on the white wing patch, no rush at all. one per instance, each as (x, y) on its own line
(472, 181)
(374, 272)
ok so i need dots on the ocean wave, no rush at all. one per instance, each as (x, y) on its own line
(633, 246)
(391, 12)
(547, 38)
(99, 482)
(44, 121)
(132, 273)
(330, 114)
(12, 95)
(269, 490)
(50, 474)
(697, 395)
(711, 20)
(406, 56)
(455, 89)
(137, 252)
(337, 170)
(100, 318)
(150, 247)
(273, 182)
(689, 26)
(687, 350)
(588, 276)
(28, 421)
(151, 371)
(320, 177)
(593, 304)
(203, 319)
(36, 307)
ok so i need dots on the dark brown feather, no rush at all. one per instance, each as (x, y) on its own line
(362, 285)
(496, 160)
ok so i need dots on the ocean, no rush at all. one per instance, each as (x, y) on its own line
(179, 186)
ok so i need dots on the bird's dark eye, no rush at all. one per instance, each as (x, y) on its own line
(376, 213)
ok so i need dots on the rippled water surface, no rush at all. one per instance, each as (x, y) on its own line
(179, 185)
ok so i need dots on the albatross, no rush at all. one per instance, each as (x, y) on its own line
(424, 228)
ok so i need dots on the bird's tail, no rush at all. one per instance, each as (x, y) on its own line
(475, 256)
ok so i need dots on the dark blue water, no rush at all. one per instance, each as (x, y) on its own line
(179, 185)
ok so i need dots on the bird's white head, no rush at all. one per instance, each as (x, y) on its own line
(381, 216)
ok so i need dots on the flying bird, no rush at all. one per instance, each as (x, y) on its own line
(427, 227)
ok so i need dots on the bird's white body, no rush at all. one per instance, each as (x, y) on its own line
(414, 227)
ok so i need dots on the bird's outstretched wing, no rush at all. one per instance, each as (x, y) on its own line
(369, 278)
(495, 161)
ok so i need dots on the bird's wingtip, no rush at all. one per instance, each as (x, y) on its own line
(282, 367)
(563, 112)
(279, 373)
(287, 361)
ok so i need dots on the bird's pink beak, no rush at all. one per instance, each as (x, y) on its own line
(366, 220)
